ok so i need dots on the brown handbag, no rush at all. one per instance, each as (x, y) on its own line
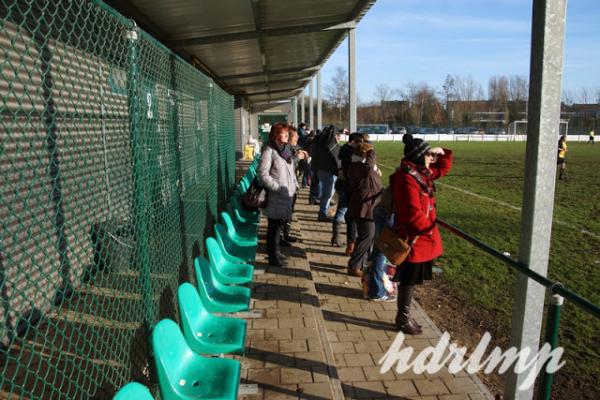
(393, 246)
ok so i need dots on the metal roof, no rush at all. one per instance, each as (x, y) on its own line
(265, 50)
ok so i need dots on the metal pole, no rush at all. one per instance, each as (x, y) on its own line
(295, 111)
(139, 157)
(302, 114)
(311, 105)
(552, 324)
(319, 102)
(548, 25)
(352, 77)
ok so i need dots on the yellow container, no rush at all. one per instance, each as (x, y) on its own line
(249, 152)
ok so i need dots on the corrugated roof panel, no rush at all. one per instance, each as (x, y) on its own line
(183, 19)
(245, 41)
(277, 13)
(230, 58)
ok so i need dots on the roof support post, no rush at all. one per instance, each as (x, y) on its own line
(352, 77)
(547, 37)
(311, 106)
(319, 102)
(302, 110)
(295, 110)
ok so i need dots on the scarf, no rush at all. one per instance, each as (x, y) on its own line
(284, 150)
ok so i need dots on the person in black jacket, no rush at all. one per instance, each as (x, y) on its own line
(325, 161)
(341, 187)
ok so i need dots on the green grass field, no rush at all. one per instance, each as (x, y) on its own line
(483, 195)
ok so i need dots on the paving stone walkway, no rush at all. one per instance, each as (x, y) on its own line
(319, 339)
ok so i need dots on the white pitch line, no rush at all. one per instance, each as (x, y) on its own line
(507, 205)
(556, 221)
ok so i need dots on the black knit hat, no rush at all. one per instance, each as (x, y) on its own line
(414, 148)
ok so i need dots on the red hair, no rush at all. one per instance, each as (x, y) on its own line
(277, 129)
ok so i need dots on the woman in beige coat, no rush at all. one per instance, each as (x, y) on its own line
(276, 172)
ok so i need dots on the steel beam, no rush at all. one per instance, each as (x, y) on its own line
(302, 110)
(547, 39)
(352, 78)
(271, 72)
(311, 106)
(260, 33)
(319, 102)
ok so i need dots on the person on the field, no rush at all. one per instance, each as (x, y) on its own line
(591, 137)
(415, 219)
(562, 152)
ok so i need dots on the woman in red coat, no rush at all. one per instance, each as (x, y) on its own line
(414, 202)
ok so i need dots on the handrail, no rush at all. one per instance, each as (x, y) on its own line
(554, 286)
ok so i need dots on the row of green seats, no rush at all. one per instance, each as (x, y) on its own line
(182, 370)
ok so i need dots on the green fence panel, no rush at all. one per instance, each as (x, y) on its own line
(115, 158)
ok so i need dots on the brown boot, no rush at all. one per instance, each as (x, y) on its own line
(353, 271)
(349, 248)
(403, 321)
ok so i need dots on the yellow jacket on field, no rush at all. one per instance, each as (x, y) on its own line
(562, 150)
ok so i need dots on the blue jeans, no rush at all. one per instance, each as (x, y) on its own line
(376, 288)
(327, 181)
(342, 207)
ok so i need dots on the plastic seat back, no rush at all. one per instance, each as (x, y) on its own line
(217, 297)
(232, 247)
(206, 333)
(191, 309)
(170, 349)
(183, 374)
(242, 235)
(133, 391)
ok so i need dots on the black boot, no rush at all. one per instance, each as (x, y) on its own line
(335, 238)
(324, 218)
(404, 322)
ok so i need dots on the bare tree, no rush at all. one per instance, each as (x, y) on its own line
(585, 95)
(518, 88)
(384, 93)
(425, 106)
(448, 90)
(337, 91)
(498, 91)
(568, 97)
(467, 89)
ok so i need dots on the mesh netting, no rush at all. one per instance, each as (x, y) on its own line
(115, 156)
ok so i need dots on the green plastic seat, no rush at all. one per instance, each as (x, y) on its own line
(240, 221)
(246, 253)
(243, 235)
(248, 216)
(231, 258)
(206, 333)
(183, 374)
(217, 297)
(229, 273)
(243, 186)
(134, 391)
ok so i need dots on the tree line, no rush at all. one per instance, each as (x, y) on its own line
(460, 101)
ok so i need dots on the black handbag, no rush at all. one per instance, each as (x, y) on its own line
(255, 197)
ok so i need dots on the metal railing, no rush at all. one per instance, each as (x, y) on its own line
(559, 292)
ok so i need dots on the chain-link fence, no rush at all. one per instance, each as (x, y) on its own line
(115, 156)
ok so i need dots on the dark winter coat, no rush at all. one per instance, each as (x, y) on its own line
(325, 150)
(412, 202)
(364, 184)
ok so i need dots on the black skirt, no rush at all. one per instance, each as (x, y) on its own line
(409, 273)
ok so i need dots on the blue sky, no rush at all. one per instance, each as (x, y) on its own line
(401, 41)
